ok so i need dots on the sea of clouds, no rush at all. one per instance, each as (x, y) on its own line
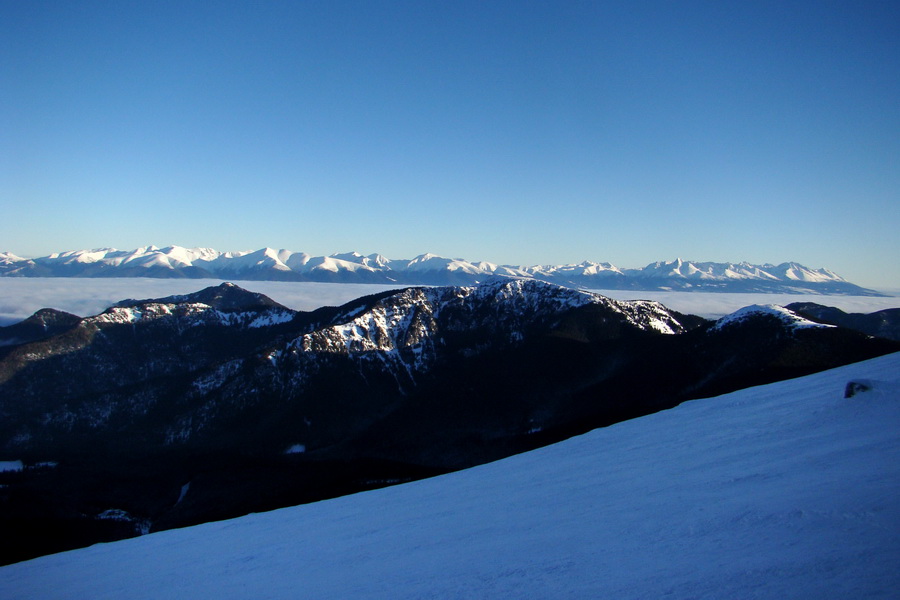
(21, 297)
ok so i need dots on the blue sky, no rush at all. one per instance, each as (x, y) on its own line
(514, 132)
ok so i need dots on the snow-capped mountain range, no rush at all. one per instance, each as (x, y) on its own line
(425, 269)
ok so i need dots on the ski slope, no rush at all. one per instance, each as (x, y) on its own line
(782, 491)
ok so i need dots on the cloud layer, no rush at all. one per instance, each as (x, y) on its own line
(20, 298)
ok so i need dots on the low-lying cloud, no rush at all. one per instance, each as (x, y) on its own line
(21, 297)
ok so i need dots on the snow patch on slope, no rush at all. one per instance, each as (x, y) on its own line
(11, 465)
(188, 311)
(408, 319)
(789, 318)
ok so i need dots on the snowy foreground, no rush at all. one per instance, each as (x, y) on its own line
(782, 491)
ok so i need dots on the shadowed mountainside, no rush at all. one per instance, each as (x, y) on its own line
(175, 411)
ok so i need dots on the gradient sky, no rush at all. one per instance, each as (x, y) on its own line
(513, 132)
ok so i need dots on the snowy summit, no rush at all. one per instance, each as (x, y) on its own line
(780, 313)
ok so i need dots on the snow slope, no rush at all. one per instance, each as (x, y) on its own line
(782, 491)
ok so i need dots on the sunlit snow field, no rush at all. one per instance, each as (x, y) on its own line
(21, 297)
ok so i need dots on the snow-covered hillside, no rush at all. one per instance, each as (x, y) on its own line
(784, 491)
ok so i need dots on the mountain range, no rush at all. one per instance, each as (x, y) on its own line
(169, 412)
(426, 269)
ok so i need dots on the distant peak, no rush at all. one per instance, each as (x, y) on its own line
(229, 296)
(226, 296)
(770, 311)
(48, 316)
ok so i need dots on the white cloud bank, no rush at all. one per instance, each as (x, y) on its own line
(715, 305)
(21, 297)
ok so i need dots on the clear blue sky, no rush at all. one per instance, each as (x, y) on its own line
(514, 132)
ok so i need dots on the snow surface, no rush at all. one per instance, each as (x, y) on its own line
(11, 465)
(781, 491)
(183, 492)
(789, 318)
(156, 310)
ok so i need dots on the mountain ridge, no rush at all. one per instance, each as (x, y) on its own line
(425, 269)
(256, 406)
